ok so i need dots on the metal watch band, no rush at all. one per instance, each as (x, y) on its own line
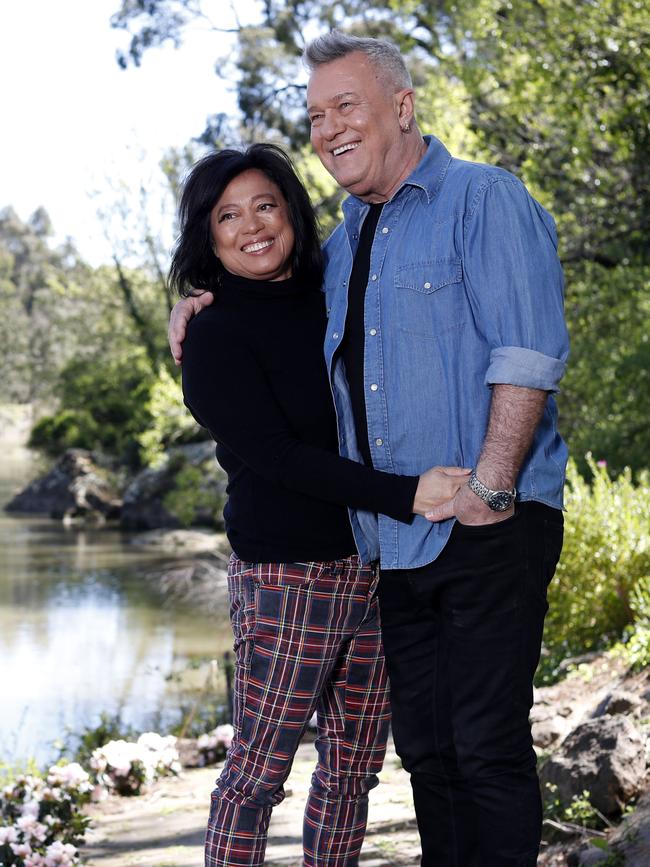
(488, 495)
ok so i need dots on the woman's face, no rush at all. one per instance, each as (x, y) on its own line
(251, 230)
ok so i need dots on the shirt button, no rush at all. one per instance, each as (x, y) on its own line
(427, 285)
(374, 387)
(379, 441)
(384, 231)
(335, 336)
(373, 331)
(374, 277)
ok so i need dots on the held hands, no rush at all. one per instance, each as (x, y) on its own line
(467, 508)
(437, 488)
(181, 314)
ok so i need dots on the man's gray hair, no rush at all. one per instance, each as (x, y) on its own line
(383, 54)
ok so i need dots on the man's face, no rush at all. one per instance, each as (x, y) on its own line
(355, 126)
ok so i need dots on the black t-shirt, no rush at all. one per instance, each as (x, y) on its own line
(351, 348)
(254, 375)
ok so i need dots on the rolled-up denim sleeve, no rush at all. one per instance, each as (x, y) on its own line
(515, 286)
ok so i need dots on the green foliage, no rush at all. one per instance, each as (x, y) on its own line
(635, 647)
(170, 421)
(193, 496)
(579, 812)
(605, 558)
(65, 430)
(82, 745)
(104, 406)
(557, 92)
(606, 391)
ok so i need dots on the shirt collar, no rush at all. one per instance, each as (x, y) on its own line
(428, 175)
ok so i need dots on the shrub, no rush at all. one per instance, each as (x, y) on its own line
(606, 556)
(635, 647)
(104, 406)
(41, 822)
(171, 422)
(125, 767)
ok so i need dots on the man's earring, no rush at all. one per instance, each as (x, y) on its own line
(406, 127)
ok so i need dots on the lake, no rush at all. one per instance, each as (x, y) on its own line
(84, 630)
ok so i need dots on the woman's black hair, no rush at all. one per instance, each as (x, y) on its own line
(194, 264)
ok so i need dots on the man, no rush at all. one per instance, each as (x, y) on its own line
(445, 341)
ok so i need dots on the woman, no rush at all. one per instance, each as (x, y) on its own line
(303, 606)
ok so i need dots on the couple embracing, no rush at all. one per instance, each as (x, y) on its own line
(394, 501)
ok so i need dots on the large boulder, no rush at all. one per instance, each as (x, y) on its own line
(156, 498)
(77, 488)
(606, 757)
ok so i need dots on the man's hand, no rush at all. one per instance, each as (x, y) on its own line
(468, 509)
(181, 314)
(437, 486)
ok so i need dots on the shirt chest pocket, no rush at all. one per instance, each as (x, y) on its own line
(430, 298)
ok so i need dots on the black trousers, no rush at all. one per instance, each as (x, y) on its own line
(462, 638)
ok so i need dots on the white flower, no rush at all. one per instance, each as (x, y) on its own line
(59, 853)
(7, 834)
(70, 776)
(225, 733)
(157, 743)
(30, 808)
(21, 849)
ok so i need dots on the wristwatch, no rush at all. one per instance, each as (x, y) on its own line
(498, 501)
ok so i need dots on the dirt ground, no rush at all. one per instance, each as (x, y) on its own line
(164, 828)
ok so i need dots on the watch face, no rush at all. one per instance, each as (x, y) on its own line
(500, 501)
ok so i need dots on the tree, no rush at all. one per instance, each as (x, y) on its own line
(556, 91)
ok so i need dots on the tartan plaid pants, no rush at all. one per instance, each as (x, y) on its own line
(307, 639)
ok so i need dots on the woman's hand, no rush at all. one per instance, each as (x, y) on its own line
(181, 314)
(437, 486)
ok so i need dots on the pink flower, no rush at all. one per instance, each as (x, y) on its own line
(601, 463)
(7, 834)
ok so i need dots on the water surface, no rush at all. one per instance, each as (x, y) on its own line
(84, 630)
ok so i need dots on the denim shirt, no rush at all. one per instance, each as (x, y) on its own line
(465, 290)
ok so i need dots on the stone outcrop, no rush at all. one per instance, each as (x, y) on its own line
(77, 488)
(604, 756)
(146, 506)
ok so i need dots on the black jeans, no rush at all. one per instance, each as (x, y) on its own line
(462, 638)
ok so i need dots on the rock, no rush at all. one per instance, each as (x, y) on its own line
(201, 582)
(632, 837)
(606, 757)
(548, 726)
(146, 503)
(143, 507)
(588, 856)
(618, 701)
(75, 489)
(182, 541)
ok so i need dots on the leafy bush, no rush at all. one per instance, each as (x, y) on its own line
(109, 728)
(579, 812)
(125, 767)
(104, 406)
(635, 647)
(41, 820)
(171, 423)
(606, 391)
(606, 557)
(194, 497)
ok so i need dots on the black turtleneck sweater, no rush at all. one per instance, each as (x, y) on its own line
(254, 375)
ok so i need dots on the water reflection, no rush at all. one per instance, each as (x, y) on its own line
(83, 630)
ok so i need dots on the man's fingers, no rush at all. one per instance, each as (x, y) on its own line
(201, 301)
(441, 513)
(456, 471)
(181, 314)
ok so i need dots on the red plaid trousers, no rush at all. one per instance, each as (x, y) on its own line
(307, 639)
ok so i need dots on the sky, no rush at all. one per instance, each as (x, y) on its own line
(74, 125)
